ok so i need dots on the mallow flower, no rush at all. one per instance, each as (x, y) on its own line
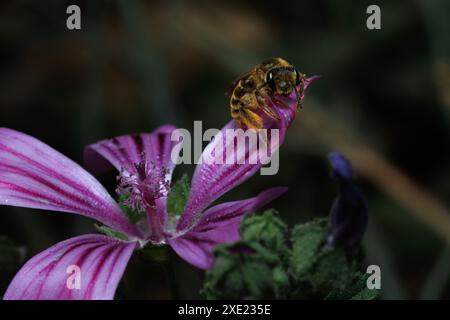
(34, 175)
(349, 213)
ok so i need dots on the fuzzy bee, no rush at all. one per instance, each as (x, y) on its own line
(271, 80)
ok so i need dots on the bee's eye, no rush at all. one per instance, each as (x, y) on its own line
(297, 78)
(269, 80)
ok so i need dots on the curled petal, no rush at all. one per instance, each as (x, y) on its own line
(88, 267)
(220, 224)
(34, 175)
(310, 80)
(288, 111)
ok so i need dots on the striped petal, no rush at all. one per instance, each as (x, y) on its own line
(197, 249)
(125, 152)
(220, 224)
(288, 114)
(212, 178)
(34, 175)
(88, 267)
(223, 213)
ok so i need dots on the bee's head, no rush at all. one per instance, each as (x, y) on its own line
(283, 80)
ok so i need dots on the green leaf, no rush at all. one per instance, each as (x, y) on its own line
(110, 232)
(225, 261)
(267, 229)
(357, 290)
(331, 270)
(258, 278)
(263, 253)
(307, 239)
(178, 196)
(224, 280)
(255, 267)
(262, 265)
(281, 282)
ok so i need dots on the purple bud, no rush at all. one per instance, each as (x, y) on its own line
(349, 212)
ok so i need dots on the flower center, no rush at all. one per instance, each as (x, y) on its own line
(141, 191)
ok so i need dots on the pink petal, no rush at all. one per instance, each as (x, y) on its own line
(212, 180)
(34, 175)
(287, 115)
(126, 151)
(220, 224)
(225, 212)
(310, 80)
(101, 260)
(197, 248)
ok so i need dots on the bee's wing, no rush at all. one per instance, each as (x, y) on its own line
(233, 85)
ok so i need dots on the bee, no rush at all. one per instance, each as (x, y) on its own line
(271, 80)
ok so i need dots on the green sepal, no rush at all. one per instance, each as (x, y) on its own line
(178, 196)
(110, 232)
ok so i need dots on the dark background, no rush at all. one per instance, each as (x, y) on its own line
(383, 100)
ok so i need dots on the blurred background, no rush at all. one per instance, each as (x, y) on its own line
(383, 100)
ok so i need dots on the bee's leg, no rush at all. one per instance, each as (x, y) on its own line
(299, 100)
(245, 118)
(251, 119)
(236, 114)
(264, 106)
(299, 93)
(280, 102)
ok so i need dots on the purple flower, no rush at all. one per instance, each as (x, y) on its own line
(36, 176)
(349, 212)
